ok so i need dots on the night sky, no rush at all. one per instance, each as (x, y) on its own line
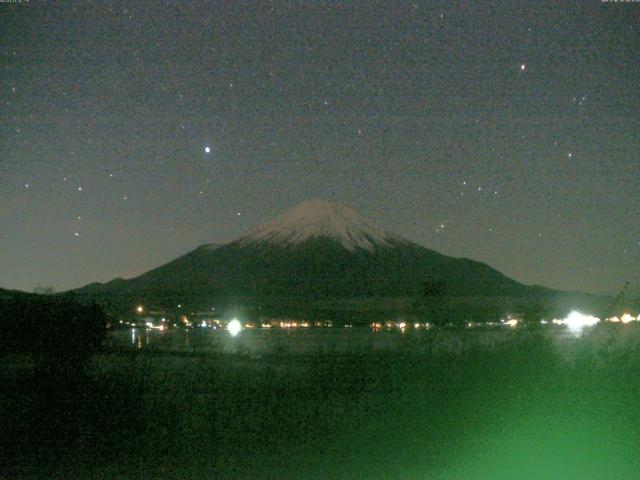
(507, 132)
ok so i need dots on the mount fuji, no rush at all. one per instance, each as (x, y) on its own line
(321, 219)
(317, 252)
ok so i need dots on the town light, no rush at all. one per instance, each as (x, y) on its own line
(626, 318)
(234, 327)
(576, 321)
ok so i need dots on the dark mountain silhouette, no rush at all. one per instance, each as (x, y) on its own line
(317, 252)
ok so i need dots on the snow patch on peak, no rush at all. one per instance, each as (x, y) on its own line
(320, 218)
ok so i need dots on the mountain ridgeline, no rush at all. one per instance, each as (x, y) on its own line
(317, 252)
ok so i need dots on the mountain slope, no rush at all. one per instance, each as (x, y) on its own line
(318, 250)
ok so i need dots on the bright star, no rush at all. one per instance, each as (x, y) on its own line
(207, 150)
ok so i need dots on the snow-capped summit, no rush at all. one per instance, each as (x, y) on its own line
(318, 219)
(317, 251)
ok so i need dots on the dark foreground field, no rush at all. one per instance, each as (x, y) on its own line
(525, 409)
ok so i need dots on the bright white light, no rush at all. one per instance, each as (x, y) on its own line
(139, 309)
(512, 322)
(155, 327)
(234, 327)
(576, 321)
(626, 318)
(207, 150)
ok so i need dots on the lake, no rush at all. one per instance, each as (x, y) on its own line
(339, 403)
(360, 339)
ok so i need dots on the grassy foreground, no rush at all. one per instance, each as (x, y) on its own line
(528, 408)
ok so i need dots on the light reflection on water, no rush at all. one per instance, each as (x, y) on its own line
(358, 340)
(137, 335)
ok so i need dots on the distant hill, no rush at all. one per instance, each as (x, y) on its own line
(317, 253)
(49, 326)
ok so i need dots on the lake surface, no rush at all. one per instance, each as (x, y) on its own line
(340, 340)
(340, 403)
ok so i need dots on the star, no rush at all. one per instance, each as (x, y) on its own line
(79, 189)
(523, 67)
(207, 150)
(76, 234)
